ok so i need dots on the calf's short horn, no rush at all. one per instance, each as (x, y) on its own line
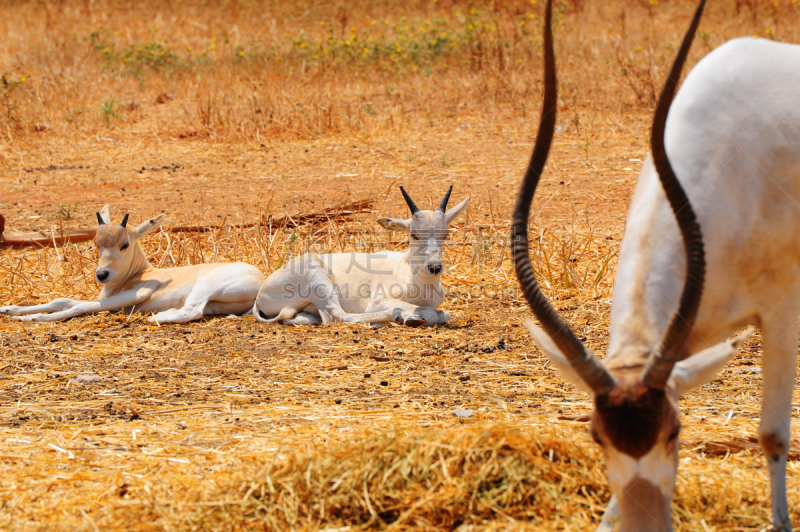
(443, 204)
(409, 201)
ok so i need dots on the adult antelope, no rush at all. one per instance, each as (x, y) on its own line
(390, 286)
(733, 137)
(131, 283)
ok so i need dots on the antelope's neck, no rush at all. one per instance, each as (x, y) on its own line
(644, 507)
(650, 275)
(428, 289)
(139, 264)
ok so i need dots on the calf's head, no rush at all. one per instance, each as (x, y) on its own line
(118, 245)
(427, 232)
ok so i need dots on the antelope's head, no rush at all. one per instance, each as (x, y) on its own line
(427, 232)
(118, 245)
(636, 418)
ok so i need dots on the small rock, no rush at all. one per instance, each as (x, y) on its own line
(748, 370)
(164, 97)
(85, 379)
(462, 413)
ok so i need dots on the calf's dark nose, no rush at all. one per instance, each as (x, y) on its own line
(435, 269)
(102, 275)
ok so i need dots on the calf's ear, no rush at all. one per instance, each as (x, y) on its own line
(148, 226)
(105, 214)
(455, 211)
(395, 224)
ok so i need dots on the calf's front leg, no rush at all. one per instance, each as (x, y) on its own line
(409, 314)
(123, 299)
(56, 305)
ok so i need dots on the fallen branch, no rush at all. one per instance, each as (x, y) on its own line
(19, 240)
(342, 210)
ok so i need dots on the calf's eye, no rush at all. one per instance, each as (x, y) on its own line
(415, 237)
(124, 246)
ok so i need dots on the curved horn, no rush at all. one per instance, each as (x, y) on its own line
(443, 204)
(586, 365)
(409, 201)
(125, 220)
(100, 219)
(673, 344)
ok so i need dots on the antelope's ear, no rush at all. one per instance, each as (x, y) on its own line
(148, 226)
(395, 224)
(455, 211)
(555, 356)
(700, 368)
(105, 214)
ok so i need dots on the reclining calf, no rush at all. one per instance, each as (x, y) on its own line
(131, 283)
(390, 286)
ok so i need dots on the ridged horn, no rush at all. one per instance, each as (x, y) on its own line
(125, 220)
(443, 204)
(672, 347)
(414, 209)
(586, 365)
(100, 219)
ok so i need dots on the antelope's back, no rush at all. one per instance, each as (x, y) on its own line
(733, 139)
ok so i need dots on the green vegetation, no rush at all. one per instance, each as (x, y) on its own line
(471, 39)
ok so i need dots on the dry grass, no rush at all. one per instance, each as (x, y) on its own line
(259, 72)
(228, 424)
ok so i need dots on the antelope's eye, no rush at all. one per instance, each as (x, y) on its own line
(124, 246)
(415, 237)
(673, 435)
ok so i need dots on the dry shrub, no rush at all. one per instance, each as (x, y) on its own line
(423, 479)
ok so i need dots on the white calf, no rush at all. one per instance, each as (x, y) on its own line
(133, 284)
(390, 286)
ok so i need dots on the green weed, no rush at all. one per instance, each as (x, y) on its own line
(66, 211)
(110, 110)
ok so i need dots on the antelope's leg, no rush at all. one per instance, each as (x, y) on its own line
(303, 318)
(127, 298)
(229, 289)
(778, 370)
(178, 315)
(292, 294)
(407, 313)
(53, 306)
(322, 293)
